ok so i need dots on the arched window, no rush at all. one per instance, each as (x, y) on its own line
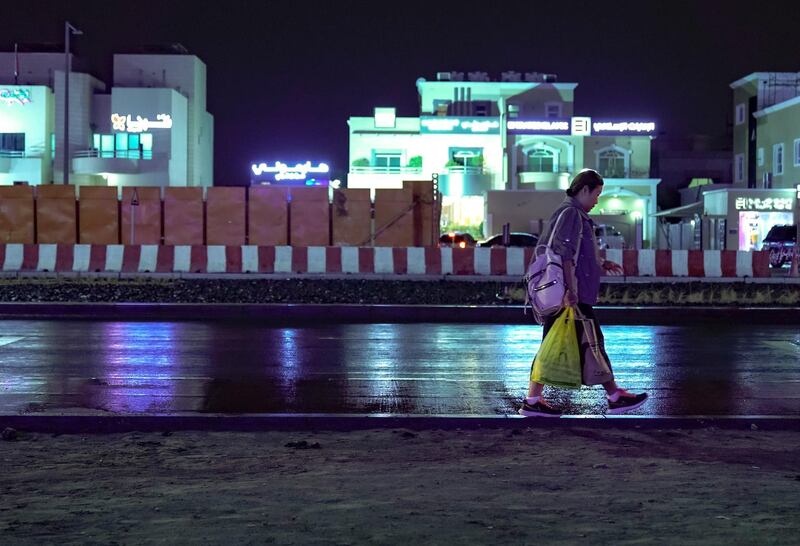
(611, 163)
(541, 160)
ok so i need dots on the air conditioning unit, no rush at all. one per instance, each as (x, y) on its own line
(443, 76)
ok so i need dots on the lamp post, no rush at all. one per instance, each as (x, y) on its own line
(68, 31)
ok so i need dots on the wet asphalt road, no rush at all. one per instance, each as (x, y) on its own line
(466, 369)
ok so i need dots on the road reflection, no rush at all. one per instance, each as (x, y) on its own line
(163, 367)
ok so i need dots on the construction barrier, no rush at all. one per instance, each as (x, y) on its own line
(141, 215)
(98, 215)
(351, 217)
(16, 214)
(183, 216)
(268, 216)
(225, 216)
(358, 260)
(309, 213)
(56, 212)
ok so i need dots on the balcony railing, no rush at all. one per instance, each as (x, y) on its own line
(116, 154)
(30, 152)
(466, 169)
(386, 170)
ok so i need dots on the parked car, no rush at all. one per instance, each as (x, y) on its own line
(780, 242)
(459, 239)
(608, 237)
(517, 239)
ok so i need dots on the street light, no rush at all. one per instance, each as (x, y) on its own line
(68, 31)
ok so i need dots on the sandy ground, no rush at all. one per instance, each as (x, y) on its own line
(533, 486)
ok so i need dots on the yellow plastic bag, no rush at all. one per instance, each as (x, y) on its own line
(558, 362)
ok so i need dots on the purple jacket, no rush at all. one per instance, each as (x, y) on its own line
(565, 244)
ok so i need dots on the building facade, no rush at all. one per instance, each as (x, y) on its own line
(766, 163)
(150, 128)
(489, 140)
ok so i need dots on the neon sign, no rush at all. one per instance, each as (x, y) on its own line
(770, 203)
(623, 127)
(282, 171)
(15, 95)
(436, 124)
(140, 124)
(539, 126)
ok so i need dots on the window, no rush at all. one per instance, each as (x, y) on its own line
(466, 157)
(777, 159)
(760, 157)
(797, 152)
(740, 114)
(739, 168)
(541, 160)
(611, 163)
(441, 106)
(552, 110)
(481, 109)
(389, 160)
(124, 145)
(12, 143)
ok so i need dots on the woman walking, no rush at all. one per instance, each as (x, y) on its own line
(573, 233)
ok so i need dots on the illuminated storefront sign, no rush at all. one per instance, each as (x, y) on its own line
(623, 127)
(581, 126)
(140, 124)
(459, 125)
(298, 174)
(767, 204)
(15, 95)
(539, 126)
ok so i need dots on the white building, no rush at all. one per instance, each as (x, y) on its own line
(151, 128)
(517, 134)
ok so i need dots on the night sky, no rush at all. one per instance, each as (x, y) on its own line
(283, 76)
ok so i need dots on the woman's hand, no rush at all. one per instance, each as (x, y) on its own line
(570, 299)
(612, 268)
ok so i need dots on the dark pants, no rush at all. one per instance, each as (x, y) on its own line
(588, 312)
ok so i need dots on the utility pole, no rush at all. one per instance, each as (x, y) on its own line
(68, 31)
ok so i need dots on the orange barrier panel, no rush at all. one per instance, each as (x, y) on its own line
(268, 216)
(98, 215)
(55, 214)
(183, 216)
(16, 215)
(225, 209)
(352, 210)
(394, 223)
(146, 226)
(310, 217)
(426, 215)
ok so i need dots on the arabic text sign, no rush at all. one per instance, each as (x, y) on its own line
(282, 171)
(436, 124)
(15, 95)
(140, 124)
(767, 204)
(623, 127)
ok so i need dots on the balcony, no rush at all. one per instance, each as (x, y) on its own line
(118, 162)
(544, 180)
(26, 166)
(382, 177)
(461, 181)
